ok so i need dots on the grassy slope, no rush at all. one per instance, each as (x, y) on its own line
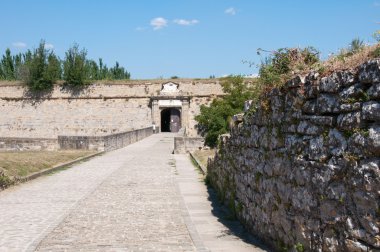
(20, 164)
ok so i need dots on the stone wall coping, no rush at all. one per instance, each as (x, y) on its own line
(102, 136)
(26, 138)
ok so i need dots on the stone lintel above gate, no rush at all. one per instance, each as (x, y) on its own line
(169, 103)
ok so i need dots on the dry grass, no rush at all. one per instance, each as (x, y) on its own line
(341, 62)
(203, 155)
(20, 164)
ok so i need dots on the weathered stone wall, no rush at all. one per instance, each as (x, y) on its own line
(97, 110)
(28, 144)
(302, 172)
(104, 143)
(52, 117)
(183, 144)
(195, 105)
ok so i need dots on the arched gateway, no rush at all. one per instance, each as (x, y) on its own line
(170, 108)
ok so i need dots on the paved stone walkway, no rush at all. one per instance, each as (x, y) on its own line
(215, 226)
(125, 200)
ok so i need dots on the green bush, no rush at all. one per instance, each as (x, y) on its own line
(74, 67)
(214, 119)
(274, 70)
(7, 66)
(278, 67)
(41, 69)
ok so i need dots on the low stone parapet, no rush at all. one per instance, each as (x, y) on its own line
(104, 143)
(187, 144)
(28, 144)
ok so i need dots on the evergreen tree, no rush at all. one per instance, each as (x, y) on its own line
(92, 70)
(18, 66)
(74, 66)
(2, 75)
(103, 70)
(119, 73)
(37, 76)
(7, 65)
(54, 70)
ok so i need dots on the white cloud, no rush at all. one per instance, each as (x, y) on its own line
(49, 46)
(186, 22)
(230, 11)
(158, 23)
(19, 44)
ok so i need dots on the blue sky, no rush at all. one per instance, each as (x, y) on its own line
(187, 38)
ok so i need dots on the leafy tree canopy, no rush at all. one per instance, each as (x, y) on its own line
(214, 119)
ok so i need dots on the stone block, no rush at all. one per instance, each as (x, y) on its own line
(316, 149)
(329, 85)
(374, 139)
(337, 142)
(350, 107)
(353, 92)
(327, 103)
(310, 107)
(320, 120)
(349, 121)
(374, 91)
(307, 128)
(369, 72)
(371, 111)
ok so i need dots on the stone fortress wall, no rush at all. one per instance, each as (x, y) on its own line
(302, 172)
(100, 109)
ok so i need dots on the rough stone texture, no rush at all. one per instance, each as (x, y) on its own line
(305, 173)
(97, 110)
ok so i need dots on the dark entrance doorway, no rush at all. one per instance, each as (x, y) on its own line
(170, 120)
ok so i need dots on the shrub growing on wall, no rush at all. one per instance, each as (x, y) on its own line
(41, 69)
(74, 67)
(7, 66)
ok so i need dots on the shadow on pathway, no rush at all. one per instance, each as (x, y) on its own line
(227, 218)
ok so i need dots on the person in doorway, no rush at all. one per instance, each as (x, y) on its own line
(154, 128)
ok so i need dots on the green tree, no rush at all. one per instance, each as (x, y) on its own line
(74, 66)
(54, 68)
(41, 69)
(118, 73)
(92, 70)
(8, 65)
(18, 64)
(2, 74)
(214, 119)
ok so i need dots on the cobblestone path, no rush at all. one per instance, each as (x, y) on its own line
(125, 200)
